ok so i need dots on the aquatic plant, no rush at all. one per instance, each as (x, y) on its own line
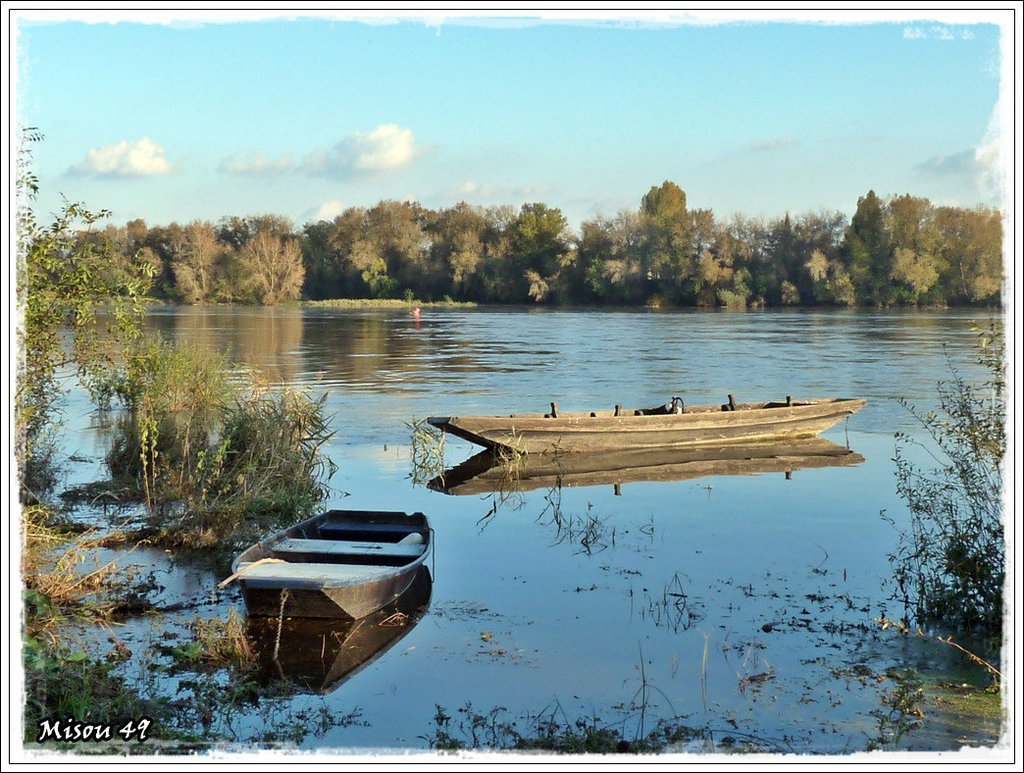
(551, 729)
(63, 575)
(427, 450)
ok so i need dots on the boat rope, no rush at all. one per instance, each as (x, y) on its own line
(224, 583)
(280, 622)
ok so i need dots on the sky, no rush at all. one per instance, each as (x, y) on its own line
(178, 116)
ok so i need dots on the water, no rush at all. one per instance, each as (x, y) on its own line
(726, 603)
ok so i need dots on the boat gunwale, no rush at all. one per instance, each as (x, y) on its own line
(701, 425)
(648, 415)
(264, 548)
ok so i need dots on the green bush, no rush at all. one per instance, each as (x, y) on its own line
(950, 564)
(77, 298)
(214, 457)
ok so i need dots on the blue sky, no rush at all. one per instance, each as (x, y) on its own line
(200, 116)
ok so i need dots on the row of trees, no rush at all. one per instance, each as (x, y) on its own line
(904, 250)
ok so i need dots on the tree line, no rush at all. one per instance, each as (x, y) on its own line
(903, 250)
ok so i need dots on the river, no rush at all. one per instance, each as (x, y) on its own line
(743, 605)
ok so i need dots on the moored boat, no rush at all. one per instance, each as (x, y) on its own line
(673, 425)
(338, 564)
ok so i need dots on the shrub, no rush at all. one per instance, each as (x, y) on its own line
(264, 467)
(66, 284)
(215, 458)
(950, 564)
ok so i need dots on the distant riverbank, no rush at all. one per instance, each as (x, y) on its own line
(388, 303)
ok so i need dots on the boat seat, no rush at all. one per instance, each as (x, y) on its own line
(346, 548)
(388, 532)
(300, 575)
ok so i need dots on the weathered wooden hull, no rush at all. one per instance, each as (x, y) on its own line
(317, 583)
(317, 655)
(602, 431)
(488, 473)
(263, 597)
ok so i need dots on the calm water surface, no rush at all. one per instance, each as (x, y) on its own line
(728, 603)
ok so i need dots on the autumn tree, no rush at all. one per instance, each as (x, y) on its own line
(394, 234)
(869, 252)
(196, 263)
(972, 247)
(274, 265)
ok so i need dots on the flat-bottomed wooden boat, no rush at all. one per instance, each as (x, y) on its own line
(339, 564)
(671, 426)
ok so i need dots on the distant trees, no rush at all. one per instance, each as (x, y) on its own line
(898, 251)
(458, 246)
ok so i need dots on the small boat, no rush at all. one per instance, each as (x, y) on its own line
(317, 655)
(338, 564)
(486, 473)
(673, 425)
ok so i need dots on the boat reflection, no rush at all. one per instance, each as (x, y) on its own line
(487, 473)
(318, 655)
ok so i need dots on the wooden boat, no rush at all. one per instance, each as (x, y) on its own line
(486, 473)
(668, 426)
(317, 655)
(339, 564)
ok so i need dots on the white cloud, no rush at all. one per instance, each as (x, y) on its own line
(984, 167)
(990, 169)
(384, 149)
(327, 211)
(143, 158)
(962, 163)
(937, 32)
(255, 164)
(993, 172)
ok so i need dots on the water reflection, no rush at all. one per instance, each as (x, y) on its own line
(269, 338)
(317, 656)
(487, 473)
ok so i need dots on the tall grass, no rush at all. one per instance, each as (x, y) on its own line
(214, 456)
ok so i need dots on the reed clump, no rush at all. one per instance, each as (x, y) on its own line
(215, 455)
(427, 450)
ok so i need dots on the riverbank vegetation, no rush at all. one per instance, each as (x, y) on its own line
(901, 250)
(950, 565)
